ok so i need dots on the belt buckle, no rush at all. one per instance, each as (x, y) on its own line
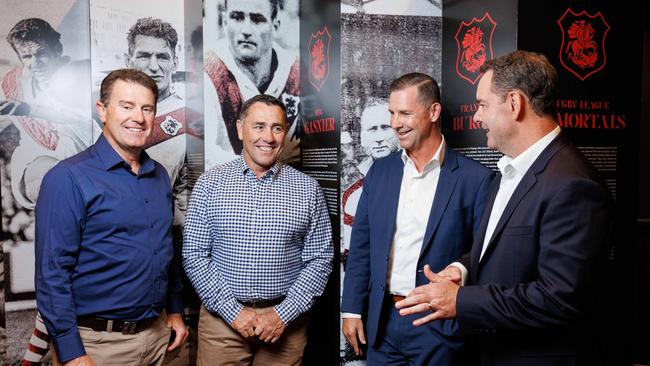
(129, 327)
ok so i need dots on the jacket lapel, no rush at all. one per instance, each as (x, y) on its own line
(446, 183)
(393, 182)
(477, 246)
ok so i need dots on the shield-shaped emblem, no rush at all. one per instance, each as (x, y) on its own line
(474, 41)
(583, 42)
(319, 57)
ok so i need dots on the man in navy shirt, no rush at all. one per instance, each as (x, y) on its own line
(107, 282)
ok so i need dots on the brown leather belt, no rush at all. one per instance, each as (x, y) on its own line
(397, 298)
(106, 325)
(257, 304)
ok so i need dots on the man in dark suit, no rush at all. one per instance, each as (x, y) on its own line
(418, 206)
(538, 250)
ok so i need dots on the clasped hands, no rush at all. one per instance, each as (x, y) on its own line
(265, 326)
(438, 297)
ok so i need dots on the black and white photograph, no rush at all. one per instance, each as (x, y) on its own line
(376, 48)
(391, 7)
(250, 47)
(45, 117)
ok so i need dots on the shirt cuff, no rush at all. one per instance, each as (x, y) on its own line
(287, 311)
(230, 310)
(463, 272)
(175, 305)
(69, 345)
(350, 315)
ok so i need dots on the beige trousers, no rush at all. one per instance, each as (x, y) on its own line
(219, 344)
(114, 348)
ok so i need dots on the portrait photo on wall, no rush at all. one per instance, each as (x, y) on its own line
(250, 47)
(376, 49)
(45, 117)
(126, 35)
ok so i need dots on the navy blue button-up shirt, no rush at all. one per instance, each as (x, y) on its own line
(103, 244)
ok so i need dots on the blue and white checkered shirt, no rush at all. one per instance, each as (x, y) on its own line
(249, 239)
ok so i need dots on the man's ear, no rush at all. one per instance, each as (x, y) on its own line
(434, 112)
(101, 111)
(127, 60)
(276, 24)
(516, 102)
(240, 129)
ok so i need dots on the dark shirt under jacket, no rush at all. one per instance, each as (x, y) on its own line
(103, 244)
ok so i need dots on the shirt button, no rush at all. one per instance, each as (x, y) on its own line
(151, 226)
(146, 200)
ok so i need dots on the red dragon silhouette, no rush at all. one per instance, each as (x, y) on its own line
(473, 49)
(318, 60)
(582, 49)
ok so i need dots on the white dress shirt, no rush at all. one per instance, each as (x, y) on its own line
(415, 199)
(512, 171)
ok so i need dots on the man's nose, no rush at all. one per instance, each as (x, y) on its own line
(153, 63)
(137, 115)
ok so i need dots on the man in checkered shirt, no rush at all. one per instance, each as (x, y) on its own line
(257, 247)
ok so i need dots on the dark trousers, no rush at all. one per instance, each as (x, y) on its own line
(401, 343)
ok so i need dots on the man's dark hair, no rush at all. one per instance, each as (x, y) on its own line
(35, 30)
(153, 27)
(528, 72)
(275, 4)
(428, 91)
(265, 99)
(128, 75)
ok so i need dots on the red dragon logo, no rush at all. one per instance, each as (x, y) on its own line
(319, 54)
(474, 49)
(583, 42)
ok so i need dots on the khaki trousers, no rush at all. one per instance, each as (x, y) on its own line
(114, 348)
(219, 344)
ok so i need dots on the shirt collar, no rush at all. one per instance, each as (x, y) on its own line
(244, 168)
(519, 165)
(438, 157)
(110, 158)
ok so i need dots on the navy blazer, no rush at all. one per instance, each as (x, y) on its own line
(531, 298)
(455, 213)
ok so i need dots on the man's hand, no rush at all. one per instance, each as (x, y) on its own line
(452, 273)
(353, 330)
(81, 361)
(245, 322)
(175, 321)
(269, 326)
(438, 296)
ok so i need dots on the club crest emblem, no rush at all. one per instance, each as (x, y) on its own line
(319, 58)
(474, 43)
(583, 42)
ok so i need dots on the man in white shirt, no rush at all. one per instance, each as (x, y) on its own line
(418, 206)
(529, 281)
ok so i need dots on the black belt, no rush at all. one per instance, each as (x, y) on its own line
(106, 325)
(263, 303)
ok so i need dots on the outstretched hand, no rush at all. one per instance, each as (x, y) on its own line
(438, 298)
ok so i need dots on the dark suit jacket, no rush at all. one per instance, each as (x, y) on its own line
(457, 207)
(531, 294)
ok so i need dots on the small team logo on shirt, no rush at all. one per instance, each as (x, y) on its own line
(171, 126)
(291, 104)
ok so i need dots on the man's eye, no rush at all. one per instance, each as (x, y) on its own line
(257, 18)
(237, 16)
